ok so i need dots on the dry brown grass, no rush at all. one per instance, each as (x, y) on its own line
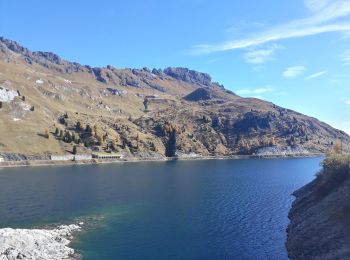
(336, 170)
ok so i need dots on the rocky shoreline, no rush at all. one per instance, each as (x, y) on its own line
(49, 244)
(319, 218)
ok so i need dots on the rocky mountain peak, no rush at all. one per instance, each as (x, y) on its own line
(49, 56)
(187, 75)
(13, 46)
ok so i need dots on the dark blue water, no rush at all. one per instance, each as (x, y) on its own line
(220, 209)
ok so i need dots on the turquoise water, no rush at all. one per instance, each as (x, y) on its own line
(217, 209)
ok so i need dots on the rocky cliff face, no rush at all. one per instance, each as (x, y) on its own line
(320, 215)
(60, 104)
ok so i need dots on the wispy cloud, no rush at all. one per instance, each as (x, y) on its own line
(256, 91)
(346, 58)
(211, 61)
(316, 4)
(345, 126)
(282, 93)
(259, 56)
(326, 16)
(295, 71)
(345, 100)
(316, 75)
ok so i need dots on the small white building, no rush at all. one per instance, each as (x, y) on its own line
(108, 156)
(2, 159)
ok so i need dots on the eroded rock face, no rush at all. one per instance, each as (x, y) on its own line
(52, 57)
(320, 219)
(36, 243)
(13, 46)
(190, 76)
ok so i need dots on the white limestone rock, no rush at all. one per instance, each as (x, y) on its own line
(37, 243)
(39, 81)
(282, 151)
(7, 95)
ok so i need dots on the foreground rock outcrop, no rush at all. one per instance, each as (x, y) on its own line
(320, 215)
(37, 243)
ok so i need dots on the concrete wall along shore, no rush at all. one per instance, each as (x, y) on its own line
(71, 157)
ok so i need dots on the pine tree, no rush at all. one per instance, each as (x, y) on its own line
(105, 137)
(99, 139)
(88, 129)
(78, 126)
(74, 149)
(56, 132)
(337, 147)
(47, 134)
(171, 145)
(67, 137)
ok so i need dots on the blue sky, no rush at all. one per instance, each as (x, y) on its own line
(295, 53)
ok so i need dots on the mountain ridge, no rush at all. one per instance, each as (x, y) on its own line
(135, 112)
(179, 73)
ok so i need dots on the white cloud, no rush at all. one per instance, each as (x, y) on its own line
(346, 35)
(212, 61)
(282, 93)
(346, 58)
(262, 90)
(347, 102)
(256, 91)
(295, 71)
(315, 5)
(345, 126)
(316, 75)
(259, 56)
(326, 16)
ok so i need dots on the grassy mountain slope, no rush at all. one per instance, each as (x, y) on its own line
(137, 111)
